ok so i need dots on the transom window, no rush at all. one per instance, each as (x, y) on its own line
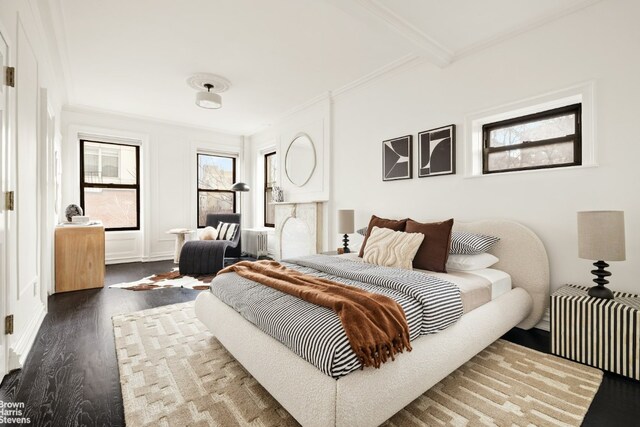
(109, 184)
(270, 169)
(548, 139)
(216, 175)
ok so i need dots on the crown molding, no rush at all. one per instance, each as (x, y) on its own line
(398, 65)
(525, 27)
(326, 96)
(373, 11)
(85, 109)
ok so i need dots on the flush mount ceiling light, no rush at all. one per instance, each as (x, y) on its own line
(208, 99)
(209, 86)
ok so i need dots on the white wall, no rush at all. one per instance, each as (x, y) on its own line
(168, 172)
(599, 43)
(313, 119)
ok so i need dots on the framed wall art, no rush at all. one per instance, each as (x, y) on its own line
(397, 156)
(437, 152)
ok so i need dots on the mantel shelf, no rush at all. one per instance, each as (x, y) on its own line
(299, 203)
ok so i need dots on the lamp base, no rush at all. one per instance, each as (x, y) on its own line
(345, 245)
(600, 291)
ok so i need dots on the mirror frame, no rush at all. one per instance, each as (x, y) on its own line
(315, 159)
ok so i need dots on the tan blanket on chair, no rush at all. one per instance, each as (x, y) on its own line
(375, 325)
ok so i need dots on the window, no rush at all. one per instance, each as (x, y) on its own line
(270, 169)
(109, 184)
(216, 175)
(542, 140)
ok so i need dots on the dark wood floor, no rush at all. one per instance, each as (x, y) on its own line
(71, 375)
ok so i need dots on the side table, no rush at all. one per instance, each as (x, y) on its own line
(79, 257)
(181, 234)
(597, 332)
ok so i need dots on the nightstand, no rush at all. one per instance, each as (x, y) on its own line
(597, 332)
(330, 253)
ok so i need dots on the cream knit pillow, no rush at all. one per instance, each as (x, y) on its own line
(392, 248)
(209, 233)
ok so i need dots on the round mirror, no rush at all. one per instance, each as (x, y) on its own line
(300, 160)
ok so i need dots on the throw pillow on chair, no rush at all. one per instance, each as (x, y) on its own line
(209, 233)
(226, 230)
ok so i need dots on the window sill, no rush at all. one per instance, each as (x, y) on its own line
(569, 168)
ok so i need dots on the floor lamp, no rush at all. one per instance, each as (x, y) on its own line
(240, 187)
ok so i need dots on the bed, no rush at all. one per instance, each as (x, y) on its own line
(369, 396)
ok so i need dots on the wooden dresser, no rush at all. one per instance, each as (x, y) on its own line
(79, 257)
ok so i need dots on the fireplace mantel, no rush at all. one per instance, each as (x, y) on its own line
(310, 213)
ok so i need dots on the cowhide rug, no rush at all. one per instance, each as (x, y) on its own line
(171, 279)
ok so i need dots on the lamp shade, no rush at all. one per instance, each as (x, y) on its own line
(240, 186)
(345, 221)
(208, 100)
(601, 235)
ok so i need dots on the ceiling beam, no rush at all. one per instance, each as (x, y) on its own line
(374, 13)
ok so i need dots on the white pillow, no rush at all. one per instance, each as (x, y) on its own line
(392, 248)
(209, 233)
(470, 262)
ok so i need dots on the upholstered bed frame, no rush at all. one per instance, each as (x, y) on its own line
(370, 396)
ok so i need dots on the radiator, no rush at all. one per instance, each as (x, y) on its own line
(255, 242)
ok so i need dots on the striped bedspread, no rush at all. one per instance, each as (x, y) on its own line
(314, 332)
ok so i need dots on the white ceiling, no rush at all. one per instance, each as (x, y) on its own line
(134, 56)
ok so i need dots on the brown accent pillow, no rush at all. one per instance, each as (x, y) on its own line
(434, 250)
(393, 224)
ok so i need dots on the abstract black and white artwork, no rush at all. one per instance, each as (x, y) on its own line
(397, 158)
(437, 151)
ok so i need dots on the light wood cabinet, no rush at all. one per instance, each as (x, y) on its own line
(79, 257)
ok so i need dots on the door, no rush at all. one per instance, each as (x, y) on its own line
(22, 226)
(3, 217)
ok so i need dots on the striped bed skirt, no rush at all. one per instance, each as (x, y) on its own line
(597, 332)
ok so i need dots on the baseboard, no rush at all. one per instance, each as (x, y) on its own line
(545, 323)
(158, 257)
(152, 258)
(18, 353)
(122, 260)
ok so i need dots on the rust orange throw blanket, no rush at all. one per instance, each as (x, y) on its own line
(375, 324)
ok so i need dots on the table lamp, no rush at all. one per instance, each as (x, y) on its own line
(601, 238)
(345, 226)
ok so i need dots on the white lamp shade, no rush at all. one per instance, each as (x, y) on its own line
(601, 235)
(345, 221)
(209, 100)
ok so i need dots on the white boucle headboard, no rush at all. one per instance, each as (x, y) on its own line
(522, 255)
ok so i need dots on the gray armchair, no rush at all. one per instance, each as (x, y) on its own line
(206, 257)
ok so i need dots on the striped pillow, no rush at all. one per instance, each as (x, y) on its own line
(226, 230)
(463, 243)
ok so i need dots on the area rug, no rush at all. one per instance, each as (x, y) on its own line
(173, 372)
(171, 279)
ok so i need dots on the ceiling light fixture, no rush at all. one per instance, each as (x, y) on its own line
(209, 87)
(208, 99)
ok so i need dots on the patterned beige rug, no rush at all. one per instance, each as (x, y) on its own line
(174, 373)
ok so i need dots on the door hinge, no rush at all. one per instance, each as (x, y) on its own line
(10, 76)
(8, 324)
(9, 202)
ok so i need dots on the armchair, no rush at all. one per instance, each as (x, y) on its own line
(205, 257)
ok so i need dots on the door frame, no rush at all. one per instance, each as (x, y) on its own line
(5, 167)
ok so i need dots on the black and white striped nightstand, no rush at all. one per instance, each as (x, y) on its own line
(597, 332)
